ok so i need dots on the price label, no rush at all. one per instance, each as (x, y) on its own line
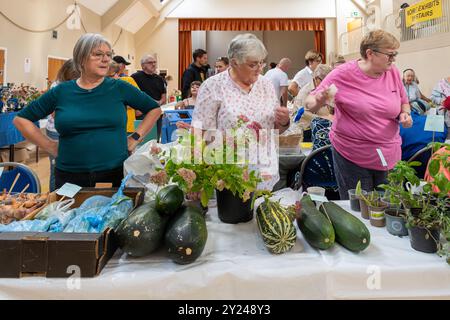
(315, 197)
(1, 171)
(68, 190)
(435, 123)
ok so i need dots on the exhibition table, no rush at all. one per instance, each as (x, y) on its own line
(236, 265)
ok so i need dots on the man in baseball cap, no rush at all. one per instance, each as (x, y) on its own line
(123, 64)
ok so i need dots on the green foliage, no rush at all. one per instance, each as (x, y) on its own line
(199, 168)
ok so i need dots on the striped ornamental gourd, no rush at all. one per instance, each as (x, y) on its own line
(276, 226)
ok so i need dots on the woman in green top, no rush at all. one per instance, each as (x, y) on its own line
(90, 116)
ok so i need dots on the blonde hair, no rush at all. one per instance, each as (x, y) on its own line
(378, 39)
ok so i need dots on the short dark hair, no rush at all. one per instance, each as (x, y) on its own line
(404, 6)
(224, 60)
(198, 53)
(273, 65)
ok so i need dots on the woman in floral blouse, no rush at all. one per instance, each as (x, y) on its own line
(242, 90)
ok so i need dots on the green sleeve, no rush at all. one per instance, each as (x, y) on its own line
(40, 108)
(137, 99)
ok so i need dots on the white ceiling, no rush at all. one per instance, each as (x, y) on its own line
(134, 18)
(98, 6)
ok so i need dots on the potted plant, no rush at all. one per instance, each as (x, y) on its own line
(375, 207)
(438, 188)
(394, 193)
(200, 169)
(424, 229)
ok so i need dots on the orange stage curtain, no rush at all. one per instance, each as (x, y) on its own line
(184, 53)
(319, 42)
(188, 25)
(252, 24)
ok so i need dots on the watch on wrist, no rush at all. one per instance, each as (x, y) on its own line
(135, 136)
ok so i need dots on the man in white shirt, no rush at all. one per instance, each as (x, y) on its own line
(304, 76)
(279, 78)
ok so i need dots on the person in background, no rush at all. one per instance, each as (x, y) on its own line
(304, 76)
(188, 104)
(122, 64)
(440, 93)
(113, 72)
(279, 78)
(272, 65)
(222, 64)
(417, 100)
(370, 103)
(339, 60)
(90, 116)
(152, 84)
(305, 123)
(195, 72)
(66, 73)
(239, 91)
(416, 138)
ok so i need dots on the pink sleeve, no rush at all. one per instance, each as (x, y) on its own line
(328, 81)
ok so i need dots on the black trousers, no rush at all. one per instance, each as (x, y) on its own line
(348, 174)
(89, 179)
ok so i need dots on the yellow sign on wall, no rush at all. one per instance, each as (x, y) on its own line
(423, 11)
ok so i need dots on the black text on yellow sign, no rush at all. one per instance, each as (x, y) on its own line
(423, 11)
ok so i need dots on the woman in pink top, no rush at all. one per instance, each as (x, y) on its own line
(369, 105)
(242, 90)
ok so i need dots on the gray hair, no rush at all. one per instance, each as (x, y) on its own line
(246, 46)
(321, 71)
(84, 47)
(146, 57)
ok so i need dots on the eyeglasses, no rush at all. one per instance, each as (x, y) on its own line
(99, 55)
(150, 62)
(391, 55)
(256, 65)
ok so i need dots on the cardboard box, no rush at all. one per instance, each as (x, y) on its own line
(60, 255)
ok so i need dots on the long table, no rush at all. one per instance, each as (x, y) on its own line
(9, 135)
(236, 265)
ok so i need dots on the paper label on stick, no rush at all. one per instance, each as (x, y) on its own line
(68, 190)
(434, 123)
(383, 160)
(315, 197)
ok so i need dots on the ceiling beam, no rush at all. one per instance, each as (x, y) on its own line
(153, 6)
(361, 7)
(116, 11)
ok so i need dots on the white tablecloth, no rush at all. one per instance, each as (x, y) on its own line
(236, 265)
